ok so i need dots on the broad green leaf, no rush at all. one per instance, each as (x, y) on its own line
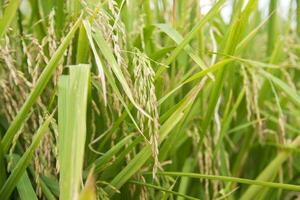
(72, 104)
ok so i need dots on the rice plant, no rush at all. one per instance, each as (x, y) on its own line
(149, 99)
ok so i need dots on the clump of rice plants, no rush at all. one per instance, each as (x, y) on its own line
(149, 99)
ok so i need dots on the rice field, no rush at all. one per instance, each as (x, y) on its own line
(149, 99)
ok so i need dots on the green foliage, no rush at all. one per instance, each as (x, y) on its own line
(151, 99)
(72, 105)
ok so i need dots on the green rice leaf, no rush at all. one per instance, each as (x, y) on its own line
(88, 30)
(24, 161)
(180, 195)
(213, 11)
(172, 33)
(8, 16)
(24, 186)
(37, 90)
(269, 172)
(139, 160)
(292, 93)
(234, 179)
(104, 47)
(72, 106)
